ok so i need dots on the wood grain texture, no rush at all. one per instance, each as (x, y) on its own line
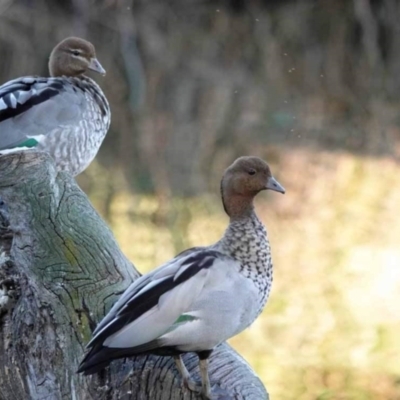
(60, 271)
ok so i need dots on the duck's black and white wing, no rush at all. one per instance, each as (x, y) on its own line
(154, 305)
(33, 107)
(27, 110)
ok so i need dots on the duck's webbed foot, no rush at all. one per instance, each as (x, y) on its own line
(187, 380)
(203, 387)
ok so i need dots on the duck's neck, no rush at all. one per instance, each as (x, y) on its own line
(250, 225)
(56, 69)
(237, 206)
(243, 237)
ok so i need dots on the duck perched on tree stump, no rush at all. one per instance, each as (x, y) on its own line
(65, 115)
(203, 296)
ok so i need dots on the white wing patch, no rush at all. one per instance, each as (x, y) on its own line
(24, 96)
(38, 138)
(13, 150)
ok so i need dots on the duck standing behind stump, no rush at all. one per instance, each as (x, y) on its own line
(65, 115)
(203, 296)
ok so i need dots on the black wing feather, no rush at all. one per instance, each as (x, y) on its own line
(12, 92)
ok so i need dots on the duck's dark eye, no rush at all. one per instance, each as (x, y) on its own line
(76, 52)
(251, 171)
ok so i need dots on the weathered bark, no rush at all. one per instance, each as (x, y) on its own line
(60, 271)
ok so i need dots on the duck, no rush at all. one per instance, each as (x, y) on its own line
(203, 296)
(65, 115)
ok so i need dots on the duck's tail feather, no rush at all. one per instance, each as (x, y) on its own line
(100, 356)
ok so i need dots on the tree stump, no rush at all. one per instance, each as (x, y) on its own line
(60, 272)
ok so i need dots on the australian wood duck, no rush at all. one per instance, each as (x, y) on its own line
(203, 296)
(65, 115)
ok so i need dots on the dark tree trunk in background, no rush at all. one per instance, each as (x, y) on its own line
(60, 271)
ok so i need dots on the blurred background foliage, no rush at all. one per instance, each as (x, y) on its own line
(311, 86)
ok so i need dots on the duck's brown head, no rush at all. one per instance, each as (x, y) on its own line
(73, 57)
(246, 177)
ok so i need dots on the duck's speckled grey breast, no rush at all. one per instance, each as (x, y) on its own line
(74, 146)
(247, 241)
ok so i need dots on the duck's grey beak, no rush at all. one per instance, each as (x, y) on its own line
(95, 66)
(273, 184)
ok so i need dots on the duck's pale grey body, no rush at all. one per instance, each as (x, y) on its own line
(67, 117)
(196, 301)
